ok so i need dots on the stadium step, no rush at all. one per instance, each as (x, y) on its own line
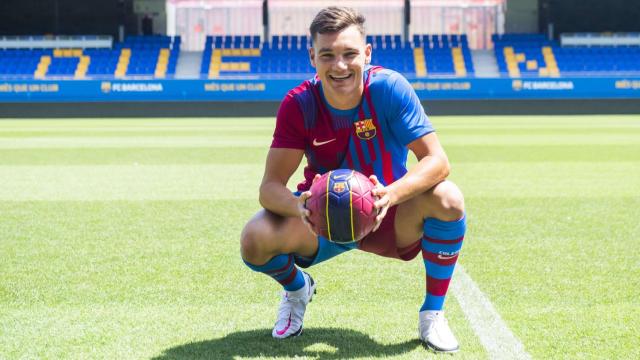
(484, 63)
(188, 65)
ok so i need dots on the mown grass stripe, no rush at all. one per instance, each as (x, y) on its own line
(135, 156)
(133, 141)
(226, 181)
(458, 154)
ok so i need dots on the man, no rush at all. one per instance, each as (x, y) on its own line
(353, 115)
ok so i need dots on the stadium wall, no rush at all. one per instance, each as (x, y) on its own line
(73, 98)
(522, 17)
(246, 90)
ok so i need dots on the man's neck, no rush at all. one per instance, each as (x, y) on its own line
(343, 103)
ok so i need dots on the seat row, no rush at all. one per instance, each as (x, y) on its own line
(288, 55)
(137, 56)
(533, 55)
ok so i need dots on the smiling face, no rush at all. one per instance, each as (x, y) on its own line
(339, 59)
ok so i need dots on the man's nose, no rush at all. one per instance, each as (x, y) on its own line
(341, 64)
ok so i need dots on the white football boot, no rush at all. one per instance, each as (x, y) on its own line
(435, 332)
(292, 308)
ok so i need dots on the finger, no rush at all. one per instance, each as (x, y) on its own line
(382, 214)
(315, 178)
(379, 192)
(306, 221)
(378, 223)
(309, 225)
(302, 199)
(374, 180)
(305, 195)
(381, 202)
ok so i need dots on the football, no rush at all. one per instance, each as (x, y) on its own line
(341, 206)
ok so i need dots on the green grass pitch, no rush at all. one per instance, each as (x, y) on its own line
(119, 239)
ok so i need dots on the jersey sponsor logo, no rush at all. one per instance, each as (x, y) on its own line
(339, 186)
(365, 129)
(319, 143)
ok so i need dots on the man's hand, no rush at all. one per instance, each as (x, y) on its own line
(383, 200)
(304, 212)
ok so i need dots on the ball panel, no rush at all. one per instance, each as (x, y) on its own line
(341, 206)
(339, 217)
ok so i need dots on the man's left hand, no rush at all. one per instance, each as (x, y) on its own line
(383, 201)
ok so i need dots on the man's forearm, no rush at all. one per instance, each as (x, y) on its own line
(428, 172)
(277, 198)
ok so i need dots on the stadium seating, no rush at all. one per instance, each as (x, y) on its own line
(602, 60)
(22, 63)
(137, 56)
(246, 55)
(287, 56)
(233, 56)
(155, 56)
(525, 55)
(533, 55)
(517, 55)
(447, 55)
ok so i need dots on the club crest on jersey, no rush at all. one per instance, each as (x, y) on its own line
(365, 129)
(339, 187)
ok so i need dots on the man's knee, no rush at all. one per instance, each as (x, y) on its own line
(449, 201)
(254, 240)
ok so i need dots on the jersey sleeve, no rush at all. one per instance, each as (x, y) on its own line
(289, 132)
(407, 118)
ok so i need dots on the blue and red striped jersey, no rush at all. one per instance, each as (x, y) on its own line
(371, 138)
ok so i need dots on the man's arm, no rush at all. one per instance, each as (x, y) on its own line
(274, 195)
(432, 168)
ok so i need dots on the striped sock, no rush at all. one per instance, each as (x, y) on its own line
(441, 244)
(283, 269)
(326, 251)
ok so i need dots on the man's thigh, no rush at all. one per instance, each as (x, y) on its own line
(443, 202)
(409, 221)
(383, 241)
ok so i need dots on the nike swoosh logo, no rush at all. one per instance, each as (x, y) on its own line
(443, 257)
(318, 143)
(280, 332)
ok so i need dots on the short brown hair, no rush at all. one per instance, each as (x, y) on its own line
(334, 19)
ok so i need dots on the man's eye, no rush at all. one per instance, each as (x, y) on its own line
(326, 56)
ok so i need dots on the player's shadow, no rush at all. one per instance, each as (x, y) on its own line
(322, 343)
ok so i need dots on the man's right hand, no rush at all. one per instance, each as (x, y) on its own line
(304, 212)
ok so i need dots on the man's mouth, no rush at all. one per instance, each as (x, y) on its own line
(341, 77)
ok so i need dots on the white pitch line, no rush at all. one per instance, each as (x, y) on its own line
(494, 334)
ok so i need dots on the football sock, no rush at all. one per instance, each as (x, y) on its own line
(283, 269)
(326, 251)
(441, 244)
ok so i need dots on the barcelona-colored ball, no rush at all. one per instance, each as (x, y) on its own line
(341, 206)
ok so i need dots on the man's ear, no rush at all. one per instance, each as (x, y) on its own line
(312, 57)
(367, 54)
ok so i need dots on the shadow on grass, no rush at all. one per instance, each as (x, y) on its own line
(324, 343)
